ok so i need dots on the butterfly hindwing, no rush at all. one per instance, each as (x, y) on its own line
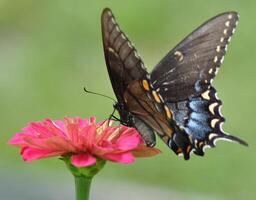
(201, 119)
(188, 69)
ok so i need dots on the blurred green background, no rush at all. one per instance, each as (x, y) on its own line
(50, 49)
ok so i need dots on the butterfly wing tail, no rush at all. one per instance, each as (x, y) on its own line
(232, 139)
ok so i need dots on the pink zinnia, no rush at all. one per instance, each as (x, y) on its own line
(85, 140)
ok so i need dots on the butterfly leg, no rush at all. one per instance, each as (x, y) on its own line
(112, 116)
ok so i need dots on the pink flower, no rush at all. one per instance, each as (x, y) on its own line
(85, 140)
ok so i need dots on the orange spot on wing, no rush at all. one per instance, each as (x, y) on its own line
(201, 144)
(179, 150)
(168, 112)
(169, 132)
(145, 85)
(156, 97)
(188, 148)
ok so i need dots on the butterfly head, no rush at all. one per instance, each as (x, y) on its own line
(125, 115)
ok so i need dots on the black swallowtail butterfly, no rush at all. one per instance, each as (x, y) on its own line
(176, 100)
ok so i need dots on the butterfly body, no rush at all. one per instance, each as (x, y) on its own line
(176, 100)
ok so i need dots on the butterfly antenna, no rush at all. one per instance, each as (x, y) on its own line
(103, 95)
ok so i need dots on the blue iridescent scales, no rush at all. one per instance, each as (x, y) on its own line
(176, 100)
(201, 118)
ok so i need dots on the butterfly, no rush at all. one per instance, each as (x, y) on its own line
(176, 100)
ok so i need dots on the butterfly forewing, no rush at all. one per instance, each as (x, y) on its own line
(189, 68)
(124, 66)
(123, 62)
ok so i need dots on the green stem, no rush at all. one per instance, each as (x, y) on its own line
(82, 187)
(83, 176)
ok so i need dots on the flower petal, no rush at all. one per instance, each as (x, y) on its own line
(125, 158)
(83, 160)
(83, 122)
(87, 136)
(17, 140)
(144, 151)
(128, 140)
(54, 143)
(30, 154)
(92, 120)
(83, 139)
